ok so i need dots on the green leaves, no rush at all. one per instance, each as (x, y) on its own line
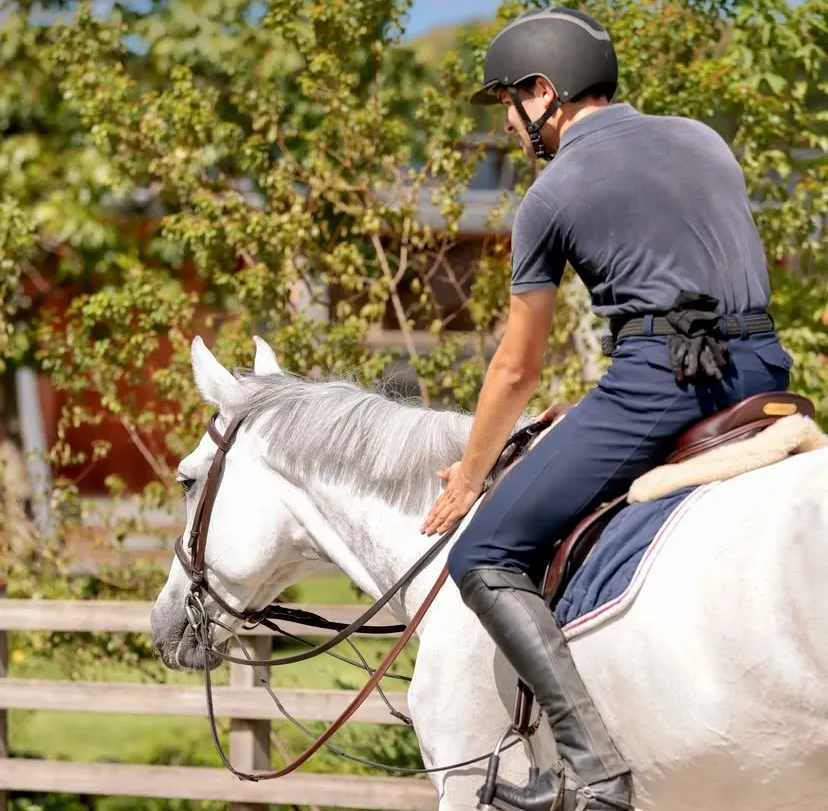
(301, 173)
(17, 241)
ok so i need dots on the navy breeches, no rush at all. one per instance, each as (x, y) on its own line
(626, 425)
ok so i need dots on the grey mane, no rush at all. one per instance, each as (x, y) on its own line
(339, 432)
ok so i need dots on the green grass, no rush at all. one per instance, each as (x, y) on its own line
(333, 589)
(90, 737)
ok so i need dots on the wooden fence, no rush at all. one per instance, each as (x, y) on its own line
(244, 702)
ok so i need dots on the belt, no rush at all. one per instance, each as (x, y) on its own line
(730, 326)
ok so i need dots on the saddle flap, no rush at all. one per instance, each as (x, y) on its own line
(572, 552)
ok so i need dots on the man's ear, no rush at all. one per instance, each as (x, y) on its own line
(544, 89)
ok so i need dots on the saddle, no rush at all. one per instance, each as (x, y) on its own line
(734, 424)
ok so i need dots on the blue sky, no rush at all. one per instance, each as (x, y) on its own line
(426, 14)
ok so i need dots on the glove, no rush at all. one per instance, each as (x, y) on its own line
(693, 349)
(689, 355)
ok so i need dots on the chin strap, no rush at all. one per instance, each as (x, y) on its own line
(534, 127)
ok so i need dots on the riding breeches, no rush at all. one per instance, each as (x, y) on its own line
(623, 427)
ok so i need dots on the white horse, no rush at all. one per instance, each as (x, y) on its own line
(713, 680)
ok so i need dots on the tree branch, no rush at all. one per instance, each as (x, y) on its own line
(139, 443)
(399, 311)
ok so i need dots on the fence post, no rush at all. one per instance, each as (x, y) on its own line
(249, 740)
(4, 671)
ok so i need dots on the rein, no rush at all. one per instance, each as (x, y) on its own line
(193, 560)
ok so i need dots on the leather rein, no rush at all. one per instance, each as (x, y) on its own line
(192, 558)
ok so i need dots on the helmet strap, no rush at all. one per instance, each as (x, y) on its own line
(534, 127)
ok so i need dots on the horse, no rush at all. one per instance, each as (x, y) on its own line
(712, 680)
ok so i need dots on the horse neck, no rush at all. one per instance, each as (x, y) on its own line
(374, 544)
(361, 509)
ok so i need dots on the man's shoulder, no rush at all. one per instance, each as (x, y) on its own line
(540, 194)
(540, 207)
(680, 128)
(682, 122)
(624, 143)
(555, 184)
(621, 123)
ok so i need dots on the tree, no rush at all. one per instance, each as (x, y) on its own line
(229, 167)
(233, 167)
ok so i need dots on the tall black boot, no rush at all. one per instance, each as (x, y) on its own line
(592, 775)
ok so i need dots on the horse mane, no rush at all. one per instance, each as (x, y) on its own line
(370, 442)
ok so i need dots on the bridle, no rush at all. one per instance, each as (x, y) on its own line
(192, 558)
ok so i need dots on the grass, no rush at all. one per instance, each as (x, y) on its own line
(333, 589)
(91, 737)
(174, 739)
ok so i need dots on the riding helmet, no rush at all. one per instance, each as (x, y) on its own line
(567, 47)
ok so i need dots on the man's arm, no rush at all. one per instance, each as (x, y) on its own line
(510, 380)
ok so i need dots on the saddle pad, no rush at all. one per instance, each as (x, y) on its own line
(614, 568)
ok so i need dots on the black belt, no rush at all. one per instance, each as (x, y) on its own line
(730, 326)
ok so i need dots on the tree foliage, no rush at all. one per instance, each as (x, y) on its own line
(230, 167)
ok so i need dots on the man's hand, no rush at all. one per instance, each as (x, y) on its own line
(454, 502)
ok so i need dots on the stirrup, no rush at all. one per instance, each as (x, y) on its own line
(567, 780)
(486, 792)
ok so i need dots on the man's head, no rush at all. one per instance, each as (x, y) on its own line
(547, 67)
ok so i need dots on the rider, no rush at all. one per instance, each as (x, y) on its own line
(653, 215)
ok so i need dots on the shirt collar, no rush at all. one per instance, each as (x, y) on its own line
(598, 120)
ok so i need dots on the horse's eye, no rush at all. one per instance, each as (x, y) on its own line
(186, 484)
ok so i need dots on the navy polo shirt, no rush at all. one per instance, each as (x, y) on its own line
(642, 207)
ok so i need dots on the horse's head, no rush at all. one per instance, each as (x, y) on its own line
(254, 545)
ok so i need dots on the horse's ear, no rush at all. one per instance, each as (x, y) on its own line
(265, 362)
(213, 381)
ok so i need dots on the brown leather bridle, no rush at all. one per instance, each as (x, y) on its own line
(193, 560)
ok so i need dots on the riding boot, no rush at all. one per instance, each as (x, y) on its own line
(592, 775)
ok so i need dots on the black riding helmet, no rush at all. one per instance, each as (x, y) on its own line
(570, 49)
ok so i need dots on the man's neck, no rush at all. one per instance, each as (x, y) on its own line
(581, 111)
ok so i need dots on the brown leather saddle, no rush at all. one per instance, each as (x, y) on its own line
(740, 421)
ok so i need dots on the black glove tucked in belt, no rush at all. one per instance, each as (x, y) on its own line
(693, 349)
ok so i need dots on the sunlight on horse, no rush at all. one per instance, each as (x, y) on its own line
(712, 680)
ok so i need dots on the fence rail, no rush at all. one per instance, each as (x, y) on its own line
(116, 616)
(245, 703)
(196, 783)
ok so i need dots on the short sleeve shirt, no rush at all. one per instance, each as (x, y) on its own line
(642, 207)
